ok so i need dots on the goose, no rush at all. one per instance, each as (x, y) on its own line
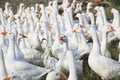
(78, 7)
(44, 22)
(98, 62)
(6, 11)
(84, 47)
(48, 61)
(60, 21)
(16, 68)
(21, 8)
(104, 15)
(92, 20)
(29, 38)
(104, 42)
(55, 75)
(78, 63)
(116, 22)
(3, 71)
(99, 19)
(30, 55)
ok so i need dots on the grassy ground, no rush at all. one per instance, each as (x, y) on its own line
(88, 74)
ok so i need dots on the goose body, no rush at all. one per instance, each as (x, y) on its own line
(19, 67)
(98, 63)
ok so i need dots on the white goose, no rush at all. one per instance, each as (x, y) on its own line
(19, 67)
(3, 71)
(30, 55)
(105, 67)
(66, 55)
(104, 42)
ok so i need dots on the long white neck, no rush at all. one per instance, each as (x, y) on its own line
(116, 20)
(19, 27)
(56, 26)
(80, 19)
(104, 45)
(25, 27)
(70, 12)
(72, 66)
(65, 45)
(2, 18)
(68, 24)
(3, 72)
(83, 41)
(11, 50)
(100, 20)
(22, 44)
(92, 19)
(104, 15)
(96, 45)
(9, 25)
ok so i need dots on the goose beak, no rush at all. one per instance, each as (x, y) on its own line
(4, 33)
(14, 19)
(74, 30)
(81, 26)
(61, 38)
(63, 77)
(111, 11)
(7, 78)
(23, 36)
(86, 32)
(96, 14)
(112, 29)
(50, 27)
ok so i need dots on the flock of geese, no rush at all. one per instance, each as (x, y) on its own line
(47, 40)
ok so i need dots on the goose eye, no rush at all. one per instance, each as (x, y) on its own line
(56, 74)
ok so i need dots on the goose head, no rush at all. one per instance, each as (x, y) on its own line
(63, 38)
(77, 28)
(7, 5)
(8, 35)
(55, 75)
(21, 6)
(113, 10)
(108, 28)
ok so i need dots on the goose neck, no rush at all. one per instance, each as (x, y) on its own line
(65, 44)
(11, 50)
(116, 19)
(96, 45)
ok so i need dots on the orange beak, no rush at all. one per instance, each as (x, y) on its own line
(86, 31)
(112, 29)
(14, 19)
(4, 33)
(50, 27)
(74, 30)
(23, 36)
(63, 77)
(81, 26)
(61, 38)
(111, 11)
(96, 14)
(7, 78)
